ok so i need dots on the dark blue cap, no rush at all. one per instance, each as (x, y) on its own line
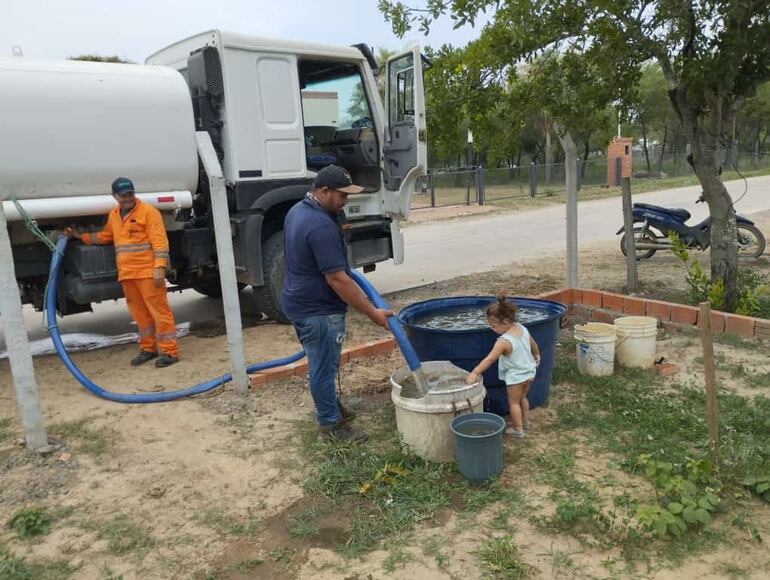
(122, 185)
(335, 177)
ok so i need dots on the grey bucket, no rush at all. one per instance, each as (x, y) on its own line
(479, 456)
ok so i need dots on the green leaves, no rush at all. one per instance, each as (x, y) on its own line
(759, 485)
(687, 498)
(29, 522)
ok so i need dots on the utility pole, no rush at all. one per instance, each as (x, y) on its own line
(19, 353)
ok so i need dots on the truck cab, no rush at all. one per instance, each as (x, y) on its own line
(277, 112)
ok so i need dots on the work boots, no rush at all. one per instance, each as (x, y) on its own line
(343, 431)
(345, 413)
(143, 357)
(165, 360)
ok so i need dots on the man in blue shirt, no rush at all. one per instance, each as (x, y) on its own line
(317, 290)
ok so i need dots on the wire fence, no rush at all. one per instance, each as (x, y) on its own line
(480, 186)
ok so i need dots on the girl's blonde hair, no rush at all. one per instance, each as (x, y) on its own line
(502, 309)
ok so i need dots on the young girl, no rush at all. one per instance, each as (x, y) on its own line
(518, 356)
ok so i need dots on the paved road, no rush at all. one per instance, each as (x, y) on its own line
(443, 250)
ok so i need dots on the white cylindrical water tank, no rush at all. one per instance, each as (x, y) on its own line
(68, 128)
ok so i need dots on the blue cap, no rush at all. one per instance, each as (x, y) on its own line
(122, 185)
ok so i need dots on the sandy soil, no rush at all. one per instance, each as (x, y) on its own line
(181, 490)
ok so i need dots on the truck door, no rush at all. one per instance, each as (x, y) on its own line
(405, 149)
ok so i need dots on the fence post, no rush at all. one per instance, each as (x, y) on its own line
(632, 279)
(618, 171)
(432, 185)
(480, 188)
(468, 185)
(579, 174)
(532, 179)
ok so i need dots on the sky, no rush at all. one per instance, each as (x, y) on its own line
(134, 29)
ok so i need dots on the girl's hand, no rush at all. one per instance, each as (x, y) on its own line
(472, 378)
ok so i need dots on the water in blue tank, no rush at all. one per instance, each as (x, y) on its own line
(455, 329)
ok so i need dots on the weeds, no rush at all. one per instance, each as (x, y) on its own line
(5, 431)
(123, 536)
(89, 440)
(13, 567)
(500, 558)
(225, 523)
(302, 524)
(31, 521)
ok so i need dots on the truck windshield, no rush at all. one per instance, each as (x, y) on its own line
(339, 126)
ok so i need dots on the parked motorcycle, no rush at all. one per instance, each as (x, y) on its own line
(656, 223)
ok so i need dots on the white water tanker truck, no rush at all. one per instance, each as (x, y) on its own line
(275, 111)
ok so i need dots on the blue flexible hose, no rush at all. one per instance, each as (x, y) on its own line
(412, 360)
(53, 329)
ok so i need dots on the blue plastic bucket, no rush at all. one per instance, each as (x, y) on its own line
(478, 445)
(466, 348)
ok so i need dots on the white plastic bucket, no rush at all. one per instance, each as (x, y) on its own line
(595, 349)
(636, 340)
(424, 423)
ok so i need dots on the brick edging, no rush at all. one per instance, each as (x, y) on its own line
(299, 368)
(606, 306)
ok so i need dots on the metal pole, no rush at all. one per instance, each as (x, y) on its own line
(572, 216)
(632, 280)
(579, 174)
(225, 260)
(532, 179)
(432, 183)
(19, 353)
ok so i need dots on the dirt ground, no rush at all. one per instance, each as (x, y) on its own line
(204, 488)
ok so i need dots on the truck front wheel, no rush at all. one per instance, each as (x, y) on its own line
(268, 296)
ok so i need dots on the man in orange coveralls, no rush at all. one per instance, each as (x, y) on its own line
(141, 252)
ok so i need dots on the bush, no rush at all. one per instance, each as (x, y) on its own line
(753, 287)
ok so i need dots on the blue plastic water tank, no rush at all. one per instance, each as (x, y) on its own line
(466, 348)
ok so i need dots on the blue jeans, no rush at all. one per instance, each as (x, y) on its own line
(322, 338)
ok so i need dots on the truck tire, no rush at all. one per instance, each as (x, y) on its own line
(211, 287)
(268, 297)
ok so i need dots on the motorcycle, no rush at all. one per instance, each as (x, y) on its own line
(656, 223)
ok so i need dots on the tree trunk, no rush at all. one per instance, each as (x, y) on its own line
(706, 152)
(586, 151)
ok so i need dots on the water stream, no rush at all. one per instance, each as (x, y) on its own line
(472, 318)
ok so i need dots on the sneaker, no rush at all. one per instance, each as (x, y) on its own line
(515, 434)
(342, 431)
(346, 414)
(143, 357)
(166, 361)
(527, 426)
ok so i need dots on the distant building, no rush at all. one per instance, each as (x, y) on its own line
(320, 108)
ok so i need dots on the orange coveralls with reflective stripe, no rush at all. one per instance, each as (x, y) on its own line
(141, 245)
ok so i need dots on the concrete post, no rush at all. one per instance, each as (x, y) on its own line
(225, 260)
(19, 353)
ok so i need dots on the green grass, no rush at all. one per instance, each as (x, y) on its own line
(5, 429)
(123, 536)
(14, 567)
(386, 490)
(86, 439)
(303, 524)
(500, 558)
(227, 523)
